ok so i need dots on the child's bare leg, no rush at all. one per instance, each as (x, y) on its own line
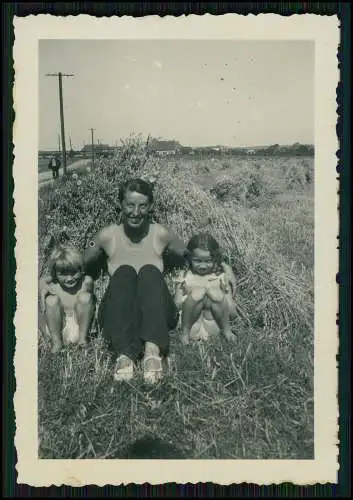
(191, 312)
(220, 311)
(84, 310)
(54, 316)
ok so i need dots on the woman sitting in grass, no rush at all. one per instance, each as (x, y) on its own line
(66, 297)
(137, 310)
(205, 291)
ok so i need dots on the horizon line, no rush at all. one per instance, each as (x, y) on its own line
(195, 147)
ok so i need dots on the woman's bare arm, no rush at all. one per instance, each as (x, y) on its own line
(45, 281)
(230, 276)
(95, 252)
(44, 289)
(172, 242)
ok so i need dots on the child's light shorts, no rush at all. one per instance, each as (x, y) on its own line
(204, 328)
(70, 334)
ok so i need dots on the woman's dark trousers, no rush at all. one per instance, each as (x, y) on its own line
(137, 308)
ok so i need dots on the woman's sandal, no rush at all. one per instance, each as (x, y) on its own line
(126, 372)
(154, 375)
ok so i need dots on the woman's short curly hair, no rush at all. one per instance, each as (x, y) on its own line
(138, 186)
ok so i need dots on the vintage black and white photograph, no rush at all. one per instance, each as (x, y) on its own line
(176, 190)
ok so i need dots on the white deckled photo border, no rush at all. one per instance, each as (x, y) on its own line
(324, 31)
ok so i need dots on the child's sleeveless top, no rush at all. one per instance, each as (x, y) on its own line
(136, 255)
(207, 281)
(211, 283)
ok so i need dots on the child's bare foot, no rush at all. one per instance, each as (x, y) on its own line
(229, 335)
(56, 348)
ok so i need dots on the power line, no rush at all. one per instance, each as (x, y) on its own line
(62, 126)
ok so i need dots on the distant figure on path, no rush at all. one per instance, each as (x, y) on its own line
(54, 165)
(137, 310)
(205, 292)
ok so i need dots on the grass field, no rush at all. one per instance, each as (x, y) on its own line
(248, 401)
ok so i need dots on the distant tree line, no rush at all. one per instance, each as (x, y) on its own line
(296, 149)
(273, 150)
(174, 148)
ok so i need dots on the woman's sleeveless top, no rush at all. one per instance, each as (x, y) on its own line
(136, 255)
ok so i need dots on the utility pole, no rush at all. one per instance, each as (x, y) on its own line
(59, 143)
(62, 126)
(71, 150)
(92, 129)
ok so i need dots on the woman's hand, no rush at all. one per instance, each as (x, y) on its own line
(87, 285)
(179, 294)
(44, 291)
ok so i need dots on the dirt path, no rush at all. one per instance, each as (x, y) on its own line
(47, 177)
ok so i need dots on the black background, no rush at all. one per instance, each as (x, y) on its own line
(137, 9)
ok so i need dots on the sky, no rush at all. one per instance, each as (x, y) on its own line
(198, 92)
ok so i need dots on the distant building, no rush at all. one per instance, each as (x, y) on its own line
(96, 147)
(166, 148)
(99, 149)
